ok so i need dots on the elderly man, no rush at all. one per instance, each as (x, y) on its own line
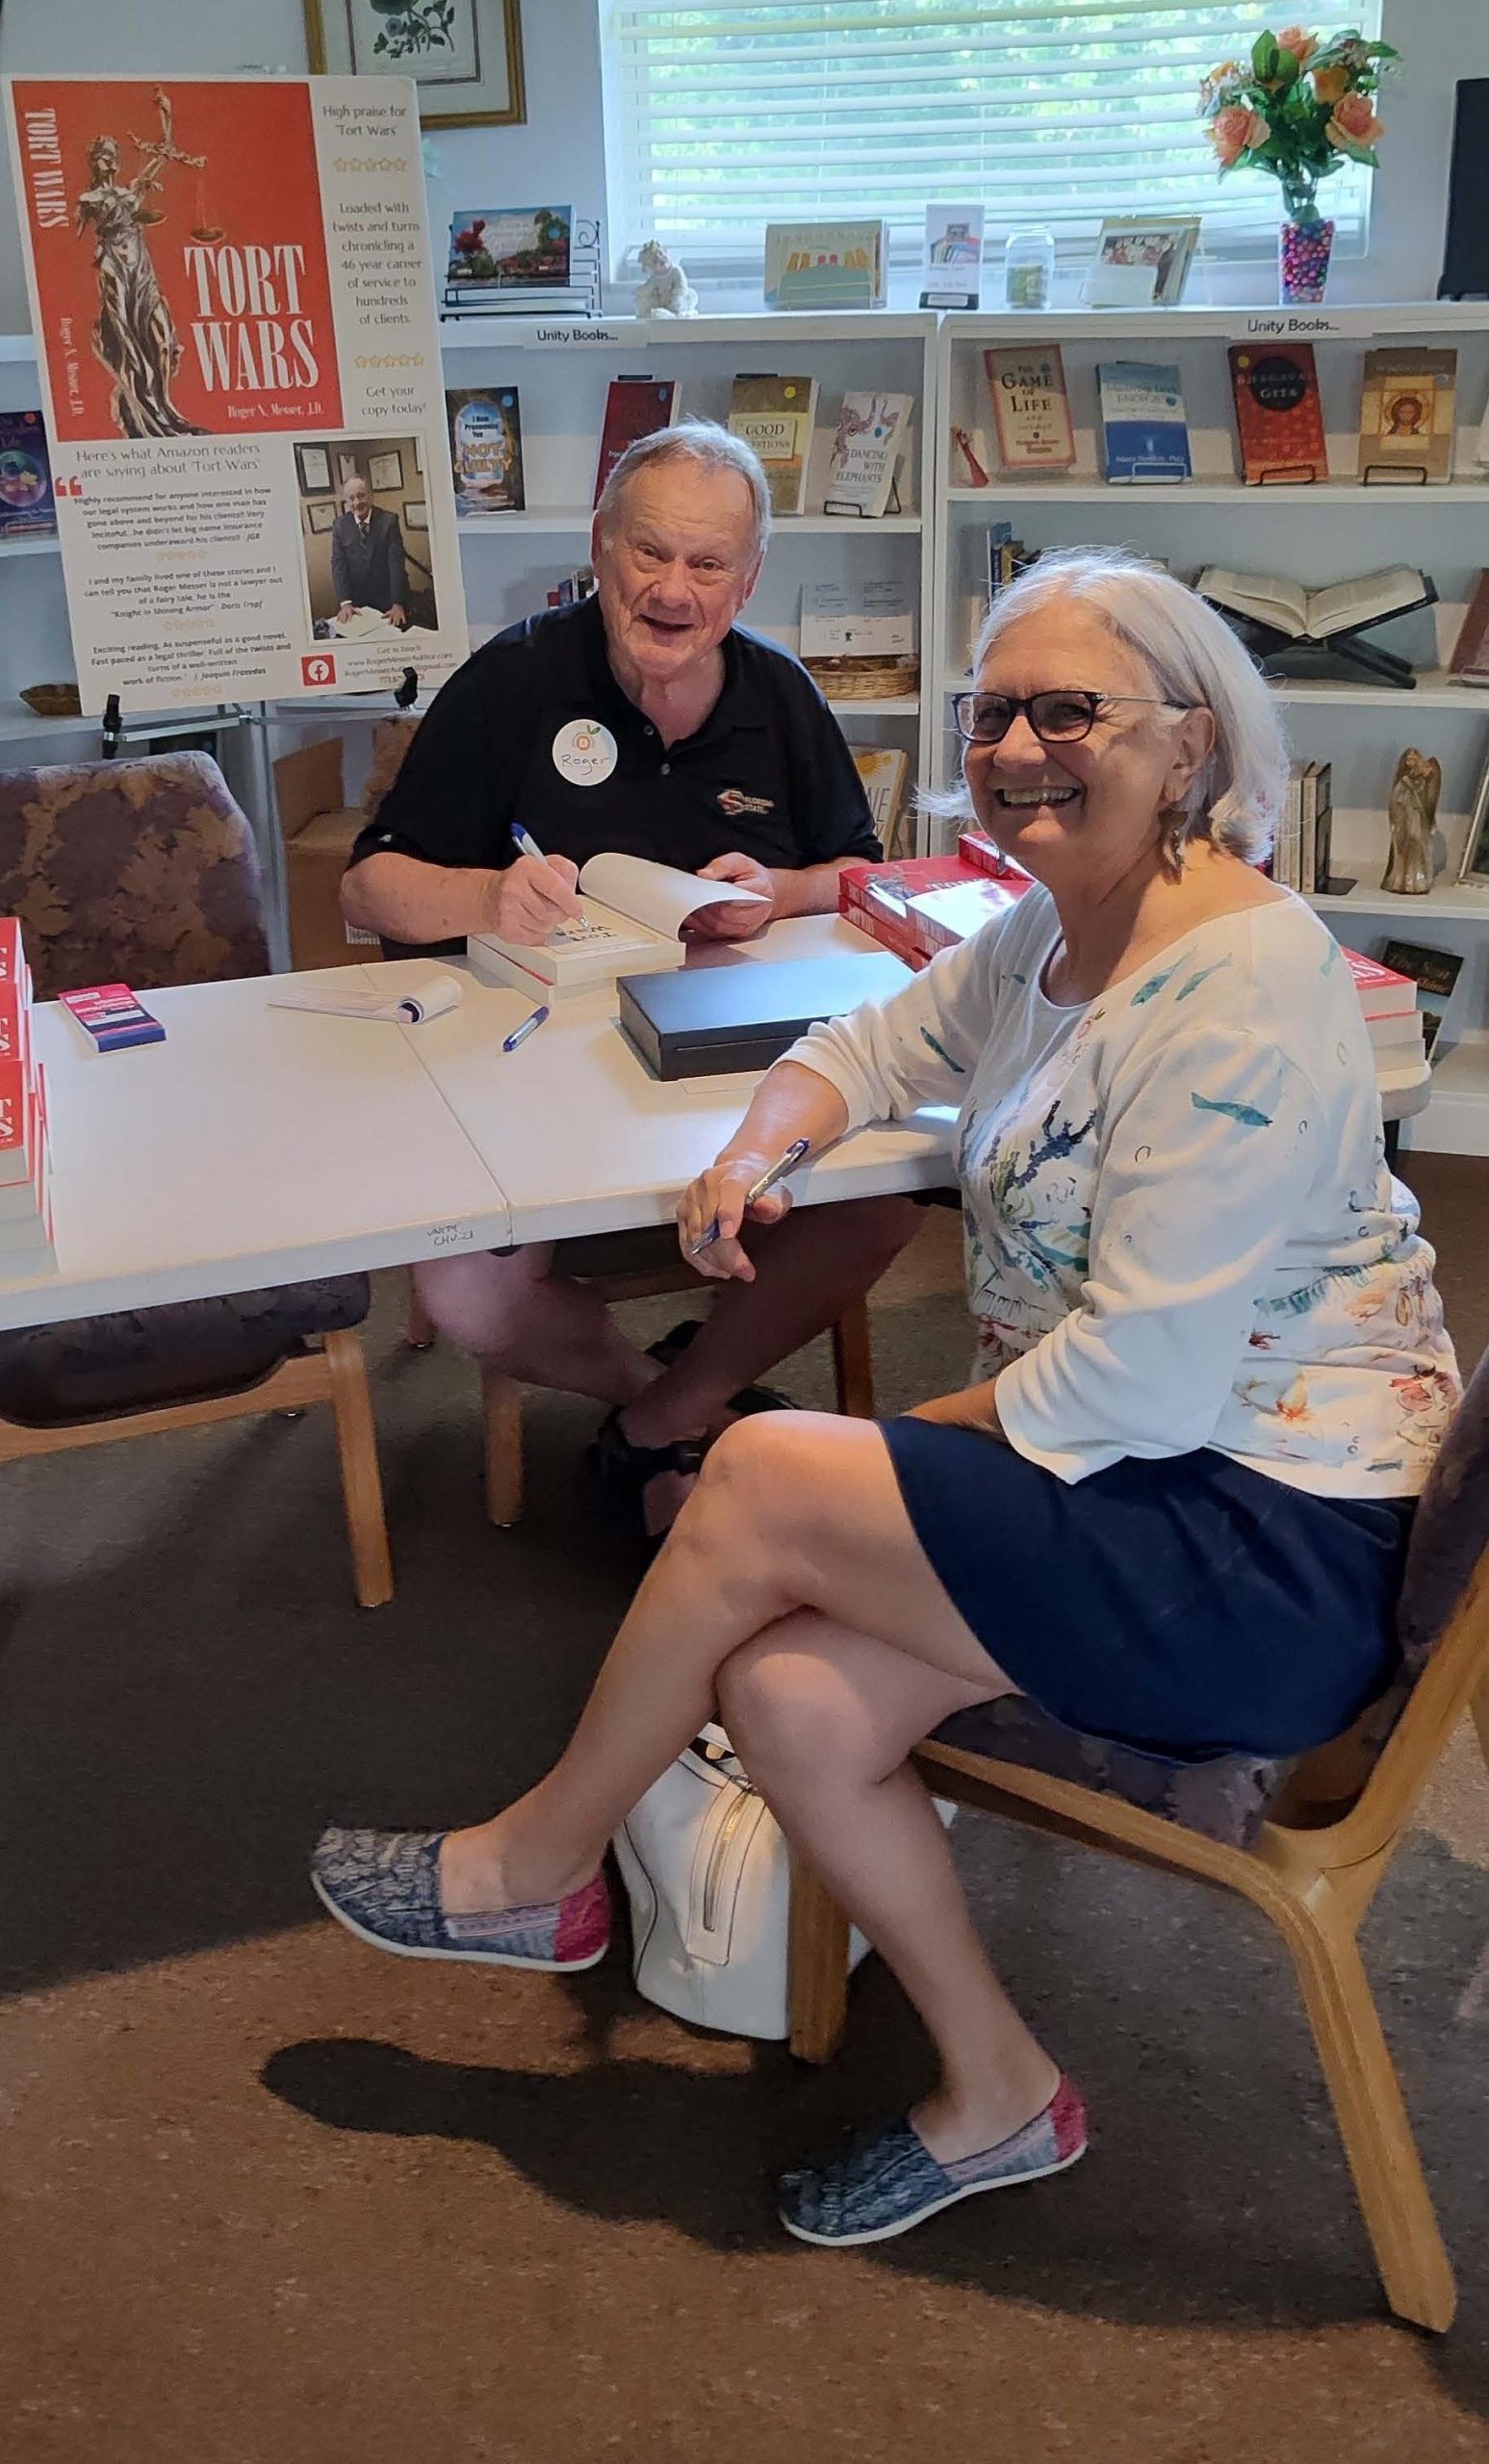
(367, 557)
(705, 747)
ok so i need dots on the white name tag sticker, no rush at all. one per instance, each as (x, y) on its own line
(584, 752)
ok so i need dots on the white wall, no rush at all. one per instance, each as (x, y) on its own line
(559, 154)
(557, 157)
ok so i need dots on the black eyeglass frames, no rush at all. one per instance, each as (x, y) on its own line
(1059, 717)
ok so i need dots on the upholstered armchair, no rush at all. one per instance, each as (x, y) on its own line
(144, 872)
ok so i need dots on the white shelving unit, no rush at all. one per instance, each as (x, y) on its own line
(1316, 534)
(561, 373)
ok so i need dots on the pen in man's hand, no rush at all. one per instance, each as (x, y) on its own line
(526, 845)
(519, 1035)
(767, 1181)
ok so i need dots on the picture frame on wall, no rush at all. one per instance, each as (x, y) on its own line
(464, 55)
(348, 469)
(385, 472)
(321, 515)
(417, 516)
(1142, 260)
(312, 467)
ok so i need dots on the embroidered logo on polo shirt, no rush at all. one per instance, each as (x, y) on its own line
(734, 801)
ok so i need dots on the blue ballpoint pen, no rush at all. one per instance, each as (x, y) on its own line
(519, 1035)
(527, 846)
(767, 1181)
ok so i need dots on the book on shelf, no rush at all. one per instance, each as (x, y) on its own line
(773, 415)
(630, 915)
(486, 448)
(1317, 826)
(1435, 972)
(883, 771)
(26, 501)
(1469, 662)
(924, 903)
(526, 248)
(868, 453)
(1406, 417)
(1280, 418)
(1286, 608)
(634, 407)
(1145, 432)
(1007, 558)
(1031, 410)
(580, 583)
(825, 265)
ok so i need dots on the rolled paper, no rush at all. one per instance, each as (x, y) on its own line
(437, 994)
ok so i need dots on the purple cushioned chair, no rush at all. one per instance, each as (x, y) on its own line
(144, 872)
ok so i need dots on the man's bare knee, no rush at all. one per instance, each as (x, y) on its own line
(475, 1303)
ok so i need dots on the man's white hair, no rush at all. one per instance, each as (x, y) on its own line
(1193, 658)
(701, 442)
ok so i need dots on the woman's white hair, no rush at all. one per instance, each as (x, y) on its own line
(1193, 657)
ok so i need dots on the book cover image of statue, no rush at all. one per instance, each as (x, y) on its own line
(135, 336)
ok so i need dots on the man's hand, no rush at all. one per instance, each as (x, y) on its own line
(398, 615)
(344, 612)
(728, 922)
(530, 897)
(719, 1193)
(974, 1407)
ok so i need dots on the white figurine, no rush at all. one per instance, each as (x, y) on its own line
(666, 290)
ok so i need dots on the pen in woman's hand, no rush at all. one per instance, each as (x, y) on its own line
(767, 1181)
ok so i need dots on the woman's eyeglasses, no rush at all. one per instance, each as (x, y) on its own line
(1062, 717)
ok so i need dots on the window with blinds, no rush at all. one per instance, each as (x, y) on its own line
(723, 117)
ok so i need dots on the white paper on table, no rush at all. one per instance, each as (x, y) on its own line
(431, 999)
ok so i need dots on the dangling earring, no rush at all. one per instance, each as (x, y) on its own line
(1173, 830)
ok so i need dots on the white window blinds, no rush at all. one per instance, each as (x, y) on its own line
(723, 117)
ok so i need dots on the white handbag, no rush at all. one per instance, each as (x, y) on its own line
(708, 1876)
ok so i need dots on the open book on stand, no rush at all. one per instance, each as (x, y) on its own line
(630, 915)
(1274, 615)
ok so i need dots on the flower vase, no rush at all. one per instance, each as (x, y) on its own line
(1303, 247)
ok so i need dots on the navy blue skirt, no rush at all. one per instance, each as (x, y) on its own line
(1187, 1606)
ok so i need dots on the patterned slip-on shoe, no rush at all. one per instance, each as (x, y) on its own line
(889, 2181)
(385, 1886)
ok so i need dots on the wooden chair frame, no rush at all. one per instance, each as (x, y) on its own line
(501, 1398)
(1314, 1869)
(332, 1371)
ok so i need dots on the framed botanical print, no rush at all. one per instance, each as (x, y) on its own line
(464, 55)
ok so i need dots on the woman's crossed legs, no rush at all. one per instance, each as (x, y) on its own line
(795, 1596)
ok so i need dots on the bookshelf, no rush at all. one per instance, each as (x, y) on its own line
(1316, 535)
(561, 373)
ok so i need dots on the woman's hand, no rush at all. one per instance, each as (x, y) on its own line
(718, 1196)
(973, 1407)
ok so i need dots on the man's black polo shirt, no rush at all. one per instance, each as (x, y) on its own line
(767, 773)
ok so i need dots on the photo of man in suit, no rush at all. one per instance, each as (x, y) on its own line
(367, 557)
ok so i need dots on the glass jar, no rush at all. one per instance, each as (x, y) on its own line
(1028, 268)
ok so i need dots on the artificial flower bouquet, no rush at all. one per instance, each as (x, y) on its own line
(1299, 108)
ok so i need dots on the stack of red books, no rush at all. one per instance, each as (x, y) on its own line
(1392, 1018)
(931, 902)
(26, 1245)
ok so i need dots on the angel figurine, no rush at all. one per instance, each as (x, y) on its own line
(666, 290)
(1413, 809)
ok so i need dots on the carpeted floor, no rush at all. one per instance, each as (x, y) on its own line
(271, 2199)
